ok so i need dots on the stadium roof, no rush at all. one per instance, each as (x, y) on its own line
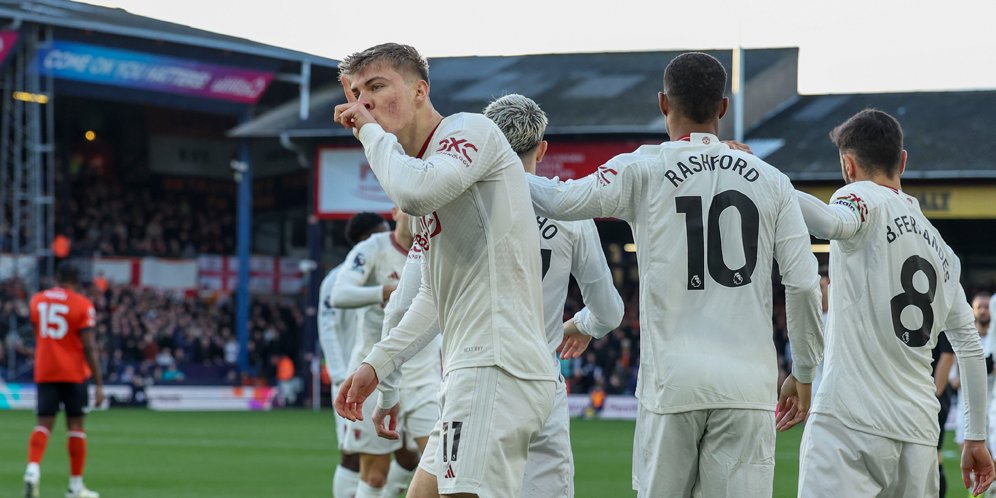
(105, 20)
(948, 134)
(600, 93)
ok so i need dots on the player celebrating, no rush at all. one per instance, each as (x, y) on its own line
(895, 287)
(707, 221)
(336, 334)
(64, 349)
(481, 275)
(567, 248)
(370, 275)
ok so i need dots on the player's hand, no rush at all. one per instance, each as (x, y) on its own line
(975, 459)
(742, 147)
(353, 114)
(388, 290)
(575, 342)
(793, 403)
(354, 391)
(387, 431)
(98, 399)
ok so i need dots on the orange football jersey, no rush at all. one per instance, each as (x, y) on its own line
(59, 315)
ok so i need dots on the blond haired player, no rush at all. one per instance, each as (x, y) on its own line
(480, 275)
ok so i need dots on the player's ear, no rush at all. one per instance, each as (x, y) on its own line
(541, 150)
(662, 101)
(849, 166)
(421, 91)
(723, 107)
(902, 162)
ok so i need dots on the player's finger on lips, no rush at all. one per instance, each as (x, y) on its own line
(346, 89)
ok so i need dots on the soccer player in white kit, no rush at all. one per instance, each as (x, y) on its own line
(371, 273)
(895, 287)
(480, 275)
(707, 221)
(336, 334)
(567, 248)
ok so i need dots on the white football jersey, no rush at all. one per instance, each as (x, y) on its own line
(895, 288)
(574, 248)
(708, 221)
(481, 266)
(371, 264)
(336, 330)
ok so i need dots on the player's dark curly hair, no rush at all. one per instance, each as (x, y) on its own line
(694, 83)
(67, 274)
(403, 58)
(874, 137)
(361, 225)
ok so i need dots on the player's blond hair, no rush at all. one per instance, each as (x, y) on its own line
(403, 58)
(520, 119)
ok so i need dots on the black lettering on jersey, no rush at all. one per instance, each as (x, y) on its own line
(673, 177)
(752, 175)
(684, 170)
(725, 162)
(695, 162)
(547, 229)
(890, 236)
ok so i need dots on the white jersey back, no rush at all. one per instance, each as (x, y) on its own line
(336, 329)
(373, 262)
(476, 230)
(894, 288)
(574, 248)
(707, 221)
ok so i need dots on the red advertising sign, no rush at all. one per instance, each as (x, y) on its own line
(572, 160)
(7, 41)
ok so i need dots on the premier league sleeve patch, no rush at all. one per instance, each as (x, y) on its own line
(854, 203)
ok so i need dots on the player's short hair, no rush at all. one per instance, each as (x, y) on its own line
(67, 274)
(875, 139)
(694, 83)
(981, 295)
(361, 225)
(403, 58)
(520, 119)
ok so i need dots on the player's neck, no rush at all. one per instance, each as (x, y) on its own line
(529, 164)
(414, 136)
(403, 240)
(883, 180)
(679, 128)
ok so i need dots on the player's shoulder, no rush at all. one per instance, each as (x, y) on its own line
(80, 300)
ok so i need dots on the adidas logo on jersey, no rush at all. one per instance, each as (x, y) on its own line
(449, 471)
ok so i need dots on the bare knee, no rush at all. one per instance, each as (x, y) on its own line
(407, 459)
(373, 469)
(74, 423)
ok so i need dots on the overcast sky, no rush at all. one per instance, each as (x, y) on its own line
(845, 45)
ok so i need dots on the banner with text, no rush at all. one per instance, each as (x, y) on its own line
(111, 66)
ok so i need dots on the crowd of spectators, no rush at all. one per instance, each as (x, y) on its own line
(167, 337)
(112, 219)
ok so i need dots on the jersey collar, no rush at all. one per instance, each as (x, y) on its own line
(428, 140)
(699, 139)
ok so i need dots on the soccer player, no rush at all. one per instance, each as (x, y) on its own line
(896, 286)
(370, 275)
(481, 275)
(65, 355)
(336, 334)
(708, 220)
(567, 248)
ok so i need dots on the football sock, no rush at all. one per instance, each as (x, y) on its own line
(398, 479)
(344, 482)
(77, 454)
(36, 445)
(364, 490)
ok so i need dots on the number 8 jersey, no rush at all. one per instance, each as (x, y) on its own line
(59, 316)
(894, 286)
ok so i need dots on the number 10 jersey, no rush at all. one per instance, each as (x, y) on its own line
(894, 286)
(708, 221)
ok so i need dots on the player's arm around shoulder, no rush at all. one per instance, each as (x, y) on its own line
(612, 191)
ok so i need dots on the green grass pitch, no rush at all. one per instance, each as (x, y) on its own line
(138, 454)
